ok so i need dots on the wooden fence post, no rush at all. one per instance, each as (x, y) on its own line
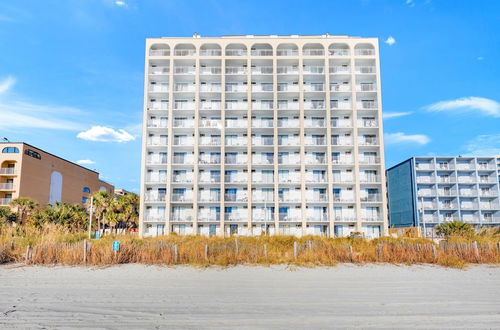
(176, 253)
(236, 245)
(12, 245)
(265, 251)
(434, 251)
(379, 251)
(206, 252)
(351, 254)
(85, 251)
(27, 254)
(498, 246)
(476, 250)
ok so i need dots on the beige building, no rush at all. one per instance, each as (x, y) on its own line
(251, 134)
(26, 171)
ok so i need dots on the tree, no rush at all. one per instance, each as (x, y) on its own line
(455, 228)
(71, 216)
(25, 208)
(101, 205)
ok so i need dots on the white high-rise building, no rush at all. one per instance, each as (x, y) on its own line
(251, 134)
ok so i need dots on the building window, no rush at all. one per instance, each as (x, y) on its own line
(86, 190)
(10, 150)
(32, 153)
(84, 200)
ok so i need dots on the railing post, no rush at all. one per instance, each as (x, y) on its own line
(265, 251)
(206, 252)
(27, 254)
(476, 250)
(351, 254)
(379, 251)
(176, 253)
(236, 245)
(85, 251)
(295, 249)
(434, 251)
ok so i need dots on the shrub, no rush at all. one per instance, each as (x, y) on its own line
(455, 228)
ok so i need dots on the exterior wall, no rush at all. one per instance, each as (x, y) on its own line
(401, 195)
(337, 160)
(447, 189)
(33, 179)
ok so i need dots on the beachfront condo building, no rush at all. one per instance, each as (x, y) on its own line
(27, 171)
(426, 191)
(245, 135)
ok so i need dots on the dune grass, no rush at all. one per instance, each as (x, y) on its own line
(54, 245)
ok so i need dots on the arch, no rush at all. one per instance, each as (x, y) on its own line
(313, 49)
(287, 50)
(184, 50)
(86, 190)
(10, 150)
(55, 193)
(339, 49)
(159, 50)
(364, 49)
(236, 50)
(262, 50)
(210, 50)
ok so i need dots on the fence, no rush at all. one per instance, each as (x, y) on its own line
(251, 251)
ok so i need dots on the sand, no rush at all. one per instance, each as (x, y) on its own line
(347, 296)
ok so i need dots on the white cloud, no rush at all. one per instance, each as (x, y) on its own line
(482, 105)
(410, 3)
(120, 3)
(389, 115)
(6, 84)
(390, 41)
(483, 145)
(105, 134)
(85, 162)
(402, 138)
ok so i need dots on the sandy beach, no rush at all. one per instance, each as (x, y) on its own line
(347, 296)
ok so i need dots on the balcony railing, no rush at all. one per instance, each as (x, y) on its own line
(366, 88)
(365, 69)
(158, 106)
(210, 123)
(341, 123)
(364, 52)
(292, 123)
(236, 70)
(288, 105)
(370, 179)
(490, 220)
(315, 160)
(262, 52)
(7, 171)
(187, 217)
(208, 160)
(318, 198)
(313, 52)
(154, 198)
(184, 70)
(210, 88)
(314, 124)
(183, 142)
(236, 142)
(235, 198)
(158, 88)
(182, 179)
(314, 87)
(154, 218)
(262, 70)
(5, 201)
(159, 70)
(181, 198)
(183, 123)
(314, 105)
(311, 69)
(159, 52)
(243, 123)
(368, 142)
(371, 198)
(210, 52)
(184, 88)
(317, 217)
(236, 88)
(262, 105)
(236, 105)
(184, 105)
(7, 186)
(287, 70)
(154, 179)
(369, 160)
(367, 105)
(342, 160)
(262, 123)
(287, 52)
(210, 178)
(340, 69)
(210, 141)
(210, 106)
(232, 216)
(157, 123)
(448, 206)
(339, 52)
(156, 160)
(184, 52)
(262, 88)
(340, 88)
(157, 142)
(182, 160)
(368, 123)
(236, 52)
(341, 142)
(315, 142)
(291, 141)
(209, 70)
(236, 178)
(208, 217)
(335, 105)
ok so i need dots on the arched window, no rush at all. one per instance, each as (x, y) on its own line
(10, 150)
(86, 190)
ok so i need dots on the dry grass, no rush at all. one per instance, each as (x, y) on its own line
(55, 246)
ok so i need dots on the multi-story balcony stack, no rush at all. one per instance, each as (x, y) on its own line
(252, 134)
(426, 191)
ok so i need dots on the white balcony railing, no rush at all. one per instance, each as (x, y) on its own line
(340, 69)
(339, 52)
(7, 170)
(210, 70)
(7, 186)
(364, 52)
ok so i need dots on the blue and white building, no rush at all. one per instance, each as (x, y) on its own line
(426, 191)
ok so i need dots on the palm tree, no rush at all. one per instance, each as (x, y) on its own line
(25, 208)
(101, 206)
(455, 228)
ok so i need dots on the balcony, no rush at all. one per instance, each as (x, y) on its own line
(487, 180)
(235, 198)
(466, 193)
(236, 105)
(7, 186)
(313, 69)
(156, 160)
(313, 52)
(210, 106)
(368, 123)
(186, 217)
(159, 52)
(183, 123)
(233, 216)
(261, 52)
(469, 206)
(316, 179)
(236, 88)
(336, 105)
(287, 52)
(367, 105)
(445, 179)
(287, 70)
(262, 161)
(156, 142)
(236, 178)
(451, 206)
(315, 160)
(182, 178)
(366, 87)
(262, 105)
(179, 160)
(447, 192)
(183, 141)
(158, 106)
(317, 198)
(5, 201)
(292, 123)
(317, 217)
(340, 88)
(210, 70)
(184, 88)
(490, 220)
(289, 217)
(158, 88)
(184, 52)
(290, 141)
(8, 171)
(312, 105)
(159, 70)
(369, 160)
(289, 179)
(343, 198)
(236, 52)
(364, 52)
(262, 124)
(286, 198)
(314, 124)
(236, 70)
(288, 105)
(425, 166)
(343, 179)
(155, 198)
(210, 123)
(209, 160)
(155, 123)
(465, 166)
(262, 87)
(209, 199)
(210, 141)
(341, 141)
(371, 198)
(208, 217)
(427, 193)
(370, 179)
(259, 197)
(368, 142)
(154, 218)
(237, 160)
(236, 123)
(184, 105)
(486, 167)
(314, 87)
(286, 87)
(184, 70)
(365, 69)
(181, 198)
(466, 179)
(315, 141)
(342, 160)
(262, 70)
(341, 123)
(207, 178)
(210, 88)
(425, 179)
(288, 160)
(340, 69)
(151, 179)
(339, 52)
(210, 52)
(372, 219)
(236, 142)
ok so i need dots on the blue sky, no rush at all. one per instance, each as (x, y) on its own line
(71, 72)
